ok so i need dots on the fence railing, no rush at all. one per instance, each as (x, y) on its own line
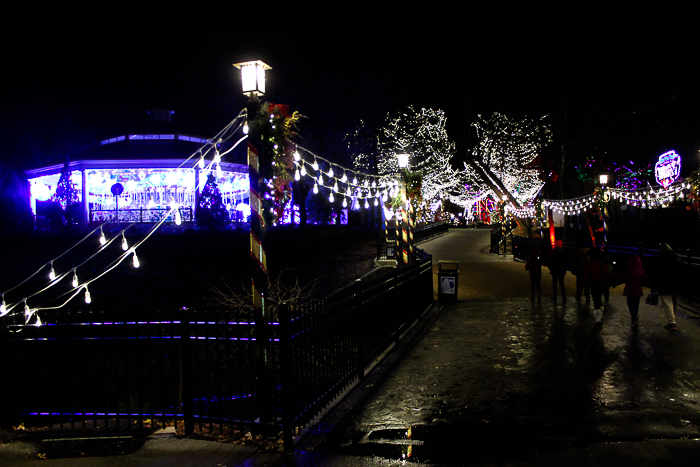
(137, 369)
(387, 247)
(142, 215)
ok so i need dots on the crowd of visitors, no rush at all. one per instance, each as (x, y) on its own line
(594, 277)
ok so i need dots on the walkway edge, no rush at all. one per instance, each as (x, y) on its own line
(334, 419)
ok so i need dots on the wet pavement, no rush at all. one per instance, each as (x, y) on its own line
(496, 379)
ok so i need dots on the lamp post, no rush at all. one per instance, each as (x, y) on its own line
(253, 85)
(604, 198)
(406, 212)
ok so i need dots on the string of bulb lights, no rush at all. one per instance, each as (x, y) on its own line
(77, 287)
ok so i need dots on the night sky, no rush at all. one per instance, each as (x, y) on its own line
(74, 74)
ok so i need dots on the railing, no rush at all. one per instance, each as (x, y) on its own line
(98, 372)
(387, 247)
(142, 215)
(502, 243)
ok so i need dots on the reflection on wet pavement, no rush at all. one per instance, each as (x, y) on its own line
(544, 375)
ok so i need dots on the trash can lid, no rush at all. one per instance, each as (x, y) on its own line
(444, 264)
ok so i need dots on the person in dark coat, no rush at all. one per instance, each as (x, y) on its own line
(598, 277)
(666, 280)
(557, 268)
(534, 267)
(579, 269)
(634, 277)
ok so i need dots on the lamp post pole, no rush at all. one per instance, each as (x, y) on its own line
(253, 83)
(406, 212)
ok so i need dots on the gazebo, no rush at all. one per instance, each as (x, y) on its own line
(155, 171)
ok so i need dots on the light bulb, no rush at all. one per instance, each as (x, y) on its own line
(125, 245)
(27, 311)
(320, 179)
(136, 261)
(374, 184)
(303, 170)
(315, 165)
(354, 181)
(335, 186)
(88, 299)
(296, 156)
(52, 273)
(201, 162)
(245, 128)
(178, 218)
(330, 197)
(219, 173)
(345, 202)
(74, 283)
(297, 177)
(376, 203)
(315, 188)
(344, 178)
(103, 240)
(366, 183)
(217, 156)
(3, 306)
(330, 172)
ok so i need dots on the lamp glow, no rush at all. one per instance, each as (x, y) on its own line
(103, 240)
(402, 160)
(88, 299)
(253, 77)
(125, 245)
(136, 261)
(52, 273)
(603, 179)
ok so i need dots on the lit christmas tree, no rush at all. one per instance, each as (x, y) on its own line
(211, 212)
(65, 194)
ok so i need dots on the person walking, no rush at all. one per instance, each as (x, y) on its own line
(666, 280)
(534, 267)
(597, 276)
(557, 268)
(634, 277)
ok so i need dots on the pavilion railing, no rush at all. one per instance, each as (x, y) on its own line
(141, 215)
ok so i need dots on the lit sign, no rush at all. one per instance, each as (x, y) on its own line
(668, 168)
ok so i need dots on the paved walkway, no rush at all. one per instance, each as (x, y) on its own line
(497, 380)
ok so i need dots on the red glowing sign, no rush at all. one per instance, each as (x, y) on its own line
(668, 168)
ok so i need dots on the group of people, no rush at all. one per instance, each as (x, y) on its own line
(594, 277)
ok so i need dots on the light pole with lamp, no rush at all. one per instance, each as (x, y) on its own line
(253, 85)
(603, 203)
(406, 212)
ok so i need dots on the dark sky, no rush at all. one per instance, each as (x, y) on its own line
(76, 72)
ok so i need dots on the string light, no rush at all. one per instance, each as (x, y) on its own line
(125, 245)
(52, 273)
(103, 239)
(88, 299)
(136, 260)
(74, 282)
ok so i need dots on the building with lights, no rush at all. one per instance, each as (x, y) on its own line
(155, 172)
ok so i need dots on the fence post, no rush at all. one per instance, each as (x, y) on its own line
(186, 401)
(288, 398)
(359, 338)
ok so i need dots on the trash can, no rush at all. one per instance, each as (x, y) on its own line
(448, 273)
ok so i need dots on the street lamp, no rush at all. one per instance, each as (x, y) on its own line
(253, 85)
(603, 178)
(406, 213)
(253, 77)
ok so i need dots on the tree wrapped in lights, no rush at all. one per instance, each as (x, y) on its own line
(278, 126)
(65, 198)
(423, 136)
(211, 212)
(510, 150)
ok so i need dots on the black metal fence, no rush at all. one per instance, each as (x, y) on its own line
(387, 248)
(139, 369)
